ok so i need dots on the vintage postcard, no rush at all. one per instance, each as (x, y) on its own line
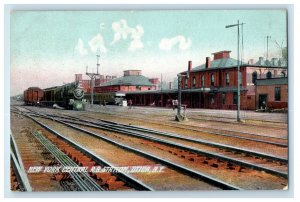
(148, 100)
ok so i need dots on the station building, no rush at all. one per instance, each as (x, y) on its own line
(216, 81)
(214, 84)
(133, 80)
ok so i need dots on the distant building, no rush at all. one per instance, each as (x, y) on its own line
(133, 80)
(86, 83)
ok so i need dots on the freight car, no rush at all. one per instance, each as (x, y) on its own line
(68, 96)
(114, 98)
(33, 96)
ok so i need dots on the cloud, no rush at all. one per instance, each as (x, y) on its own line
(97, 44)
(102, 25)
(123, 31)
(80, 47)
(169, 43)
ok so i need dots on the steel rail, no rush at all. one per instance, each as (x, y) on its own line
(180, 168)
(191, 149)
(205, 131)
(127, 178)
(177, 136)
(216, 133)
(83, 180)
(18, 163)
(20, 174)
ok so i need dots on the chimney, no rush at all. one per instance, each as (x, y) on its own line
(261, 60)
(170, 85)
(274, 61)
(190, 66)
(207, 63)
(78, 77)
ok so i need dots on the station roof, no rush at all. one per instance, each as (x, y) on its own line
(272, 81)
(131, 80)
(219, 63)
(229, 63)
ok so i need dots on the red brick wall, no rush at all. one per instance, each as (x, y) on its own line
(270, 91)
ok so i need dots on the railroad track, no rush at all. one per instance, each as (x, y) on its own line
(211, 131)
(181, 169)
(68, 153)
(236, 164)
(241, 153)
(220, 119)
(128, 130)
(19, 180)
(218, 132)
(190, 156)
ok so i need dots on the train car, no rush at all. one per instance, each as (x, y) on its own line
(33, 96)
(113, 98)
(68, 96)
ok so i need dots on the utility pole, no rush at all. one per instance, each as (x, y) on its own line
(268, 37)
(179, 117)
(93, 77)
(238, 68)
(161, 82)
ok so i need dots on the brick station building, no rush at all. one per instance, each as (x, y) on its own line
(133, 80)
(214, 83)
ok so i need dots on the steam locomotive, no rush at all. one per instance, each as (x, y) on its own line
(68, 96)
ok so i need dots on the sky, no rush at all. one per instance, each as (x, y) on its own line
(48, 47)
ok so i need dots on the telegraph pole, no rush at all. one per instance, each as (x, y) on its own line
(179, 117)
(268, 37)
(238, 67)
(93, 77)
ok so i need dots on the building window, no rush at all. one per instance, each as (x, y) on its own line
(212, 80)
(227, 79)
(186, 83)
(269, 75)
(223, 98)
(277, 93)
(203, 81)
(254, 77)
(194, 81)
(235, 98)
(282, 74)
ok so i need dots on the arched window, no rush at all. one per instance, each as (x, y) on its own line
(227, 79)
(186, 82)
(269, 75)
(254, 77)
(282, 74)
(203, 81)
(194, 81)
(212, 79)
